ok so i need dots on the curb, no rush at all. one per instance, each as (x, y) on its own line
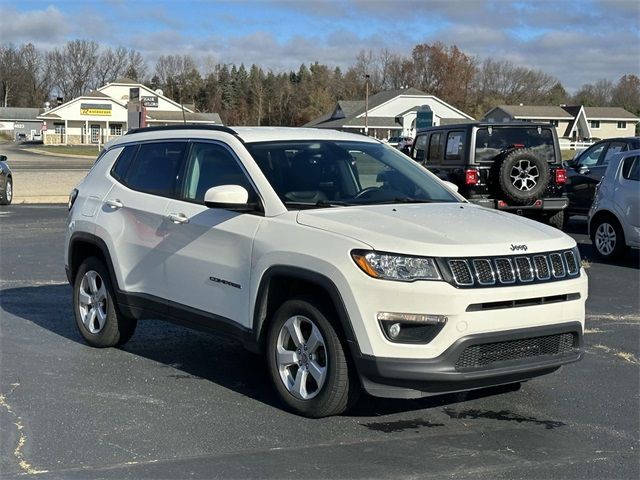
(68, 155)
(53, 199)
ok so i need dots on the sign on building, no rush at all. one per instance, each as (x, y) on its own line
(96, 109)
(150, 101)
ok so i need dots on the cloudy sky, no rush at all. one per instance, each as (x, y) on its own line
(578, 41)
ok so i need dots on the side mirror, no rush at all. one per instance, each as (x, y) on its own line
(3, 158)
(232, 197)
(450, 186)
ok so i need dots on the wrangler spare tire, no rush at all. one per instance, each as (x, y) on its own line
(521, 176)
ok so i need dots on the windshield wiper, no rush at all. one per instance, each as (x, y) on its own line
(318, 204)
(401, 200)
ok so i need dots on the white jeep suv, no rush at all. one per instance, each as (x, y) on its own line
(349, 265)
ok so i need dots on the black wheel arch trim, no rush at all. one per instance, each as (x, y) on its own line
(261, 305)
(96, 241)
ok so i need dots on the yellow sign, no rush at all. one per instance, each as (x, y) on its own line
(95, 109)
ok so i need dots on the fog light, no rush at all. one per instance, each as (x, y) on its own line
(410, 327)
(394, 330)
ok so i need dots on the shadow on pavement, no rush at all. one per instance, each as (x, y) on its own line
(198, 355)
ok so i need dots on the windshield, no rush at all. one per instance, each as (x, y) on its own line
(307, 174)
(492, 141)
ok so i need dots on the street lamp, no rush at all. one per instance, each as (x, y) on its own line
(366, 104)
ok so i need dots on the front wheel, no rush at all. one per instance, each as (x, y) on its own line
(607, 237)
(307, 361)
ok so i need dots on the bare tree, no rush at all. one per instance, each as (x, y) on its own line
(626, 93)
(112, 64)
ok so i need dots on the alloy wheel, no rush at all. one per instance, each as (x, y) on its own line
(301, 357)
(92, 302)
(524, 175)
(605, 239)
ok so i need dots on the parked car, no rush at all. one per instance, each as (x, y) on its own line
(346, 263)
(397, 141)
(6, 182)
(614, 217)
(516, 167)
(586, 169)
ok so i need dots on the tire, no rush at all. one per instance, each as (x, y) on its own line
(97, 316)
(311, 375)
(7, 196)
(558, 220)
(607, 237)
(521, 176)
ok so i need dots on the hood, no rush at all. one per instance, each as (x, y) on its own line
(438, 229)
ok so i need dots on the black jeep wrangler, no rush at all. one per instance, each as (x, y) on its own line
(515, 167)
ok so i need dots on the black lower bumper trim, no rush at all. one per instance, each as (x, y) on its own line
(439, 375)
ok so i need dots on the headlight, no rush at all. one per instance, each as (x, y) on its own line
(390, 266)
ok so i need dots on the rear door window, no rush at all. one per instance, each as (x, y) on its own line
(156, 168)
(435, 147)
(631, 168)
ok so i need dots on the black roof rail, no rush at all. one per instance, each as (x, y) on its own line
(188, 126)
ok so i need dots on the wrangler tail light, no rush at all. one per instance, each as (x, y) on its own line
(561, 176)
(471, 177)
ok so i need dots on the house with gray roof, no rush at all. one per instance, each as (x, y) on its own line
(111, 110)
(389, 113)
(574, 122)
(21, 123)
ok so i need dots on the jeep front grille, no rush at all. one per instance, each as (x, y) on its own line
(537, 348)
(511, 270)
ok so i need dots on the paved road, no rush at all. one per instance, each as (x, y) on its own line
(41, 178)
(173, 403)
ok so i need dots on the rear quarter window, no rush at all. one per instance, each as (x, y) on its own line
(455, 146)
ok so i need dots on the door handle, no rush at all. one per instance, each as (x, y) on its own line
(115, 204)
(178, 218)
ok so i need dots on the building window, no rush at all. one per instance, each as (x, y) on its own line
(554, 122)
(594, 124)
(622, 125)
(115, 129)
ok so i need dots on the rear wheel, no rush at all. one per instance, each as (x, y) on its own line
(308, 362)
(607, 237)
(97, 316)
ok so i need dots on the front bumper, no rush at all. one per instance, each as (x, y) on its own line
(518, 356)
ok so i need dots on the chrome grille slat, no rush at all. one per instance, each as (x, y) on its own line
(557, 265)
(484, 271)
(504, 267)
(541, 266)
(461, 272)
(572, 264)
(513, 270)
(525, 269)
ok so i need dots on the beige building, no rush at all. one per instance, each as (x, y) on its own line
(571, 122)
(99, 116)
(389, 113)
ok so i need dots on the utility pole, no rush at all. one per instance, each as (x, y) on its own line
(366, 104)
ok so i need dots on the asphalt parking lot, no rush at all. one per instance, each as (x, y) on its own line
(173, 403)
